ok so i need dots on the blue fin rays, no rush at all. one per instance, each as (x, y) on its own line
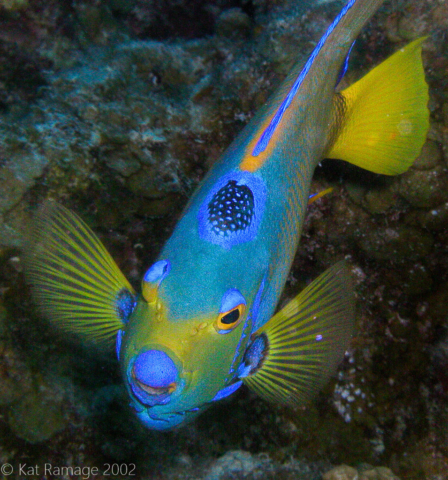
(266, 136)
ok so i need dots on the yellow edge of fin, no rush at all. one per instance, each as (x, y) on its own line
(319, 195)
(306, 340)
(74, 280)
(385, 117)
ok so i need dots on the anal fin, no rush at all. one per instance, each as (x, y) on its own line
(293, 355)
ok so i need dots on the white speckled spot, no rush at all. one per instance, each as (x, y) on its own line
(405, 127)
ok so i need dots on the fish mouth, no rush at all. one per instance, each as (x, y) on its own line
(153, 376)
(148, 395)
(154, 390)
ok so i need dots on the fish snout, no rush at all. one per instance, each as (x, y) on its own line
(154, 376)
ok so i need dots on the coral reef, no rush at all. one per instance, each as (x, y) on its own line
(117, 109)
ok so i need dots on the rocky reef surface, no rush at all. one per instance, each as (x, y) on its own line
(117, 109)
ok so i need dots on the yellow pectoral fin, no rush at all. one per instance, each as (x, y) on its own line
(301, 346)
(385, 116)
(74, 280)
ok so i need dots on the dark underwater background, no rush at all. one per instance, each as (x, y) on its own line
(117, 109)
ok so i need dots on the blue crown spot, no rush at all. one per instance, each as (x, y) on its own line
(232, 211)
(231, 208)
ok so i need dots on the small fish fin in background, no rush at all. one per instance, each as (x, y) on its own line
(382, 119)
(75, 282)
(293, 355)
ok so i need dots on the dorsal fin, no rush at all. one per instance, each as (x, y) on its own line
(365, 8)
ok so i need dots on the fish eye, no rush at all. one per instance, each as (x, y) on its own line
(229, 320)
(231, 317)
(231, 312)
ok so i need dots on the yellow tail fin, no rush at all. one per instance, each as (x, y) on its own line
(385, 118)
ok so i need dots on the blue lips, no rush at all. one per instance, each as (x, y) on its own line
(155, 368)
(153, 377)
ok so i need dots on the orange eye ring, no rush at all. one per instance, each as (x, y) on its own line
(227, 321)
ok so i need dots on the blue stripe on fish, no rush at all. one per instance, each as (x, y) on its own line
(266, 136)
(226, 391)
(345, 66)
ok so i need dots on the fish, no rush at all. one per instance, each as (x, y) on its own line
(206, 321)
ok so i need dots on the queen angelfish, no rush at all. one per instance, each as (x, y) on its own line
(204, 322)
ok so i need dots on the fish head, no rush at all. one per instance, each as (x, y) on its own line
(177, 361)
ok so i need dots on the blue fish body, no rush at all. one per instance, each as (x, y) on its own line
(205, 322)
